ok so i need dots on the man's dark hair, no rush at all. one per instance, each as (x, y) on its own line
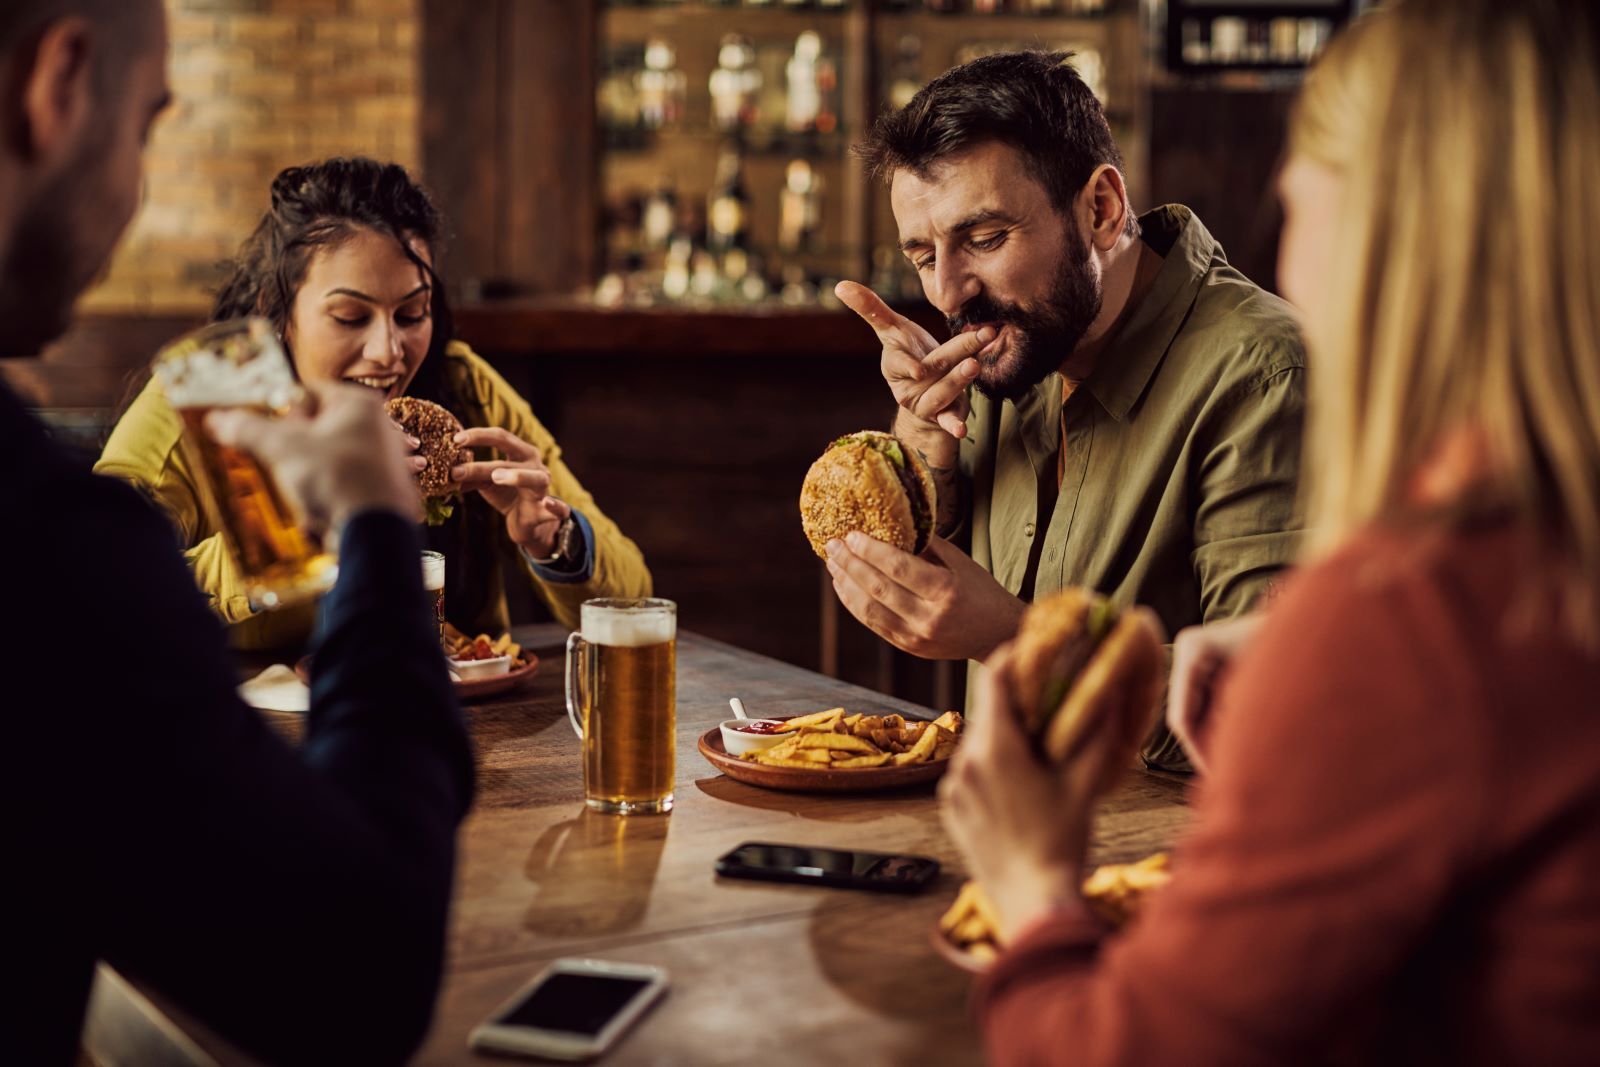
(1035, 101)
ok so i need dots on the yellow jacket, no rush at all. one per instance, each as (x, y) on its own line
(143, 450)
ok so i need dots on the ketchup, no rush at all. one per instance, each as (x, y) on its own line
(758, 726)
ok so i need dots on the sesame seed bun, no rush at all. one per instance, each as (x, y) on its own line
(436, 428)
(869, 482)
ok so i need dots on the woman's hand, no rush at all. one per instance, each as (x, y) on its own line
(1200, 657)
(518, 487)
(1022, 826)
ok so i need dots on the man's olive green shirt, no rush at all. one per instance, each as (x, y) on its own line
(1182, 451)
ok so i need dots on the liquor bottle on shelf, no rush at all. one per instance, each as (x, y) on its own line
(659, 218)
(728, 206)
(799, 208)
(941, 7)
(988, 7)
(805, 93)
(905, 76)
(662, 86)
(813, 81)
(735, 85)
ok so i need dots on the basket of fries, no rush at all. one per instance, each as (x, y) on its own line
(836, 751)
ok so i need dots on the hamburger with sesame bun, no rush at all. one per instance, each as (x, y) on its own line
(436, 428)
(869, 481)
(1078, 662)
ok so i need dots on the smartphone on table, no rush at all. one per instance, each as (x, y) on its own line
(845, 868)
(575, 1009)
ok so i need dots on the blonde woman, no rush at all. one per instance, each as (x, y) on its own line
(1396, 855)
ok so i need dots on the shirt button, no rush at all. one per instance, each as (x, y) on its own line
(1027, 530)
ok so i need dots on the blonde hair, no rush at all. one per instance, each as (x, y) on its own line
(1467, 291)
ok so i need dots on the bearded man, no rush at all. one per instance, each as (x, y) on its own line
(1117, 407)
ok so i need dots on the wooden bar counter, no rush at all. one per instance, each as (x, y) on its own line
(759, 972)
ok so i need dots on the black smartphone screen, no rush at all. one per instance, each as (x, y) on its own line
(574, 1003)
(828, 866)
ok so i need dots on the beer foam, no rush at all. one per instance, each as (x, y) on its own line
(227, 366)
(432, 571)
(628, 627)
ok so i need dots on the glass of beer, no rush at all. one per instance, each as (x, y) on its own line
(433, 586)
(240, 364)
(622, 700)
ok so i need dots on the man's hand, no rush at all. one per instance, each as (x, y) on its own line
(1022, 826)
(345, 457)
(1200, 657)
(941, 605)
(929, 380)
(518, 487)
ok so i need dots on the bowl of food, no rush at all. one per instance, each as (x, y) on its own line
(741, 736)
(470, 670)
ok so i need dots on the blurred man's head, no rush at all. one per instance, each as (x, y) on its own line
(81, 81)
(1005, 181)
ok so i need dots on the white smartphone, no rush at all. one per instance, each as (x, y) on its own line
(574, 1010)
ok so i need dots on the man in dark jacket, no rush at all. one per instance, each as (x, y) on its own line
(293, 901)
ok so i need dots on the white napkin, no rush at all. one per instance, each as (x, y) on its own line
(277, 689)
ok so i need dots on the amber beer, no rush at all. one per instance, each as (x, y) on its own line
(433, 586)
(241, 365)
(622, 698)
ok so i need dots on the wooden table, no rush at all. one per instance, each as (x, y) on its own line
(830, 975)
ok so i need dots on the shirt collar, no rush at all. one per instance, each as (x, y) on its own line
(1128, 364)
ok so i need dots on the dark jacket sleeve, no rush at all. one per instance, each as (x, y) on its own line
(295, 902)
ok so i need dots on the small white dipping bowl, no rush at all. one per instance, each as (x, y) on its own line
(739, 742)
(470, 670)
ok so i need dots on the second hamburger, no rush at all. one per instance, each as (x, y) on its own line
(1078, 661)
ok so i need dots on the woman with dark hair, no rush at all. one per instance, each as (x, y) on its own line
(342, 265)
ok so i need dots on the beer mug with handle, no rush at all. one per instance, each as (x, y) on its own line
(240, 364)
(622, 701)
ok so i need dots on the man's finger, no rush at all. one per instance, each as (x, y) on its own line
(946, 393)
(508, 443)
(902, 568)
(900, 365)
(957, 350)
(870, 306)
(875, 585)
(871, 614)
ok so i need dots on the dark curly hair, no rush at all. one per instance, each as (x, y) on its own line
(1034, 101)
(320, 206)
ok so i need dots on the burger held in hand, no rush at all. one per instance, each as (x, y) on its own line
(435, 428)
(870, 482)
(1079, 664)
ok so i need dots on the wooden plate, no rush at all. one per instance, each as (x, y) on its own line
(800, 780)
(466, 689)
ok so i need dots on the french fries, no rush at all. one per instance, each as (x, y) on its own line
(834, 740)
(458, 645)
(1116, 892)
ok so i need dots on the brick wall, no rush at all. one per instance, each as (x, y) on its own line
(259, 85)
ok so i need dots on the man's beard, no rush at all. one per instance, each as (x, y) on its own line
(1042, 337)
(48, 265)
